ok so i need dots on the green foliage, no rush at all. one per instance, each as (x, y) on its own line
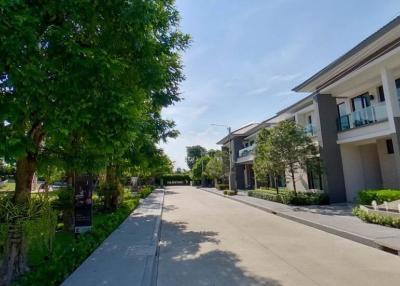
(230, 192)
(284, 147)
(289, 197)
(199, 167)
(215, 166)
(367, 196)
(37, 220)
(376, 218)
(193, 153)
(68, 252)
(145, 191)
(222, 187)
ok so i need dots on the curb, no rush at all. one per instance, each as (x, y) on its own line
(151, 268)
(332, 230)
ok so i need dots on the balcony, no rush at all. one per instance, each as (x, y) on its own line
(365, 116)
(310, 129)
(246, 151)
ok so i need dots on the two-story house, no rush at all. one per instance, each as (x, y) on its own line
(357, 102)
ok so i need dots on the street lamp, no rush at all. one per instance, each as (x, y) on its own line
(230, 152)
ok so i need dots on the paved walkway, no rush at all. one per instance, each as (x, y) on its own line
(128, 255)
(211, 240)
(335, 219)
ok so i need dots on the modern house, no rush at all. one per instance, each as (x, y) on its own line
(352, 113)
(357, 99)
(241, 143)
(303, 113)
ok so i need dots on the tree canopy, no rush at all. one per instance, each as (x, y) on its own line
(285, 147)
(193, 153)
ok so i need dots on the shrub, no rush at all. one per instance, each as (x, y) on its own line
(145, 191)
(230, 192)
(69, 252)
(366, 197)
(223, 187)
(288, 197)
(376, 218)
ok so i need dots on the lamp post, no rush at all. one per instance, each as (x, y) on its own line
(230, 152)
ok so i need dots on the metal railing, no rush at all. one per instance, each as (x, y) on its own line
(247, 151)
(365, 116)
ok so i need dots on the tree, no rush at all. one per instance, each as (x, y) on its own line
(215, 167)
(76, 79)
(194, 153)
(267, 165)
(198, 170)
(287, 146)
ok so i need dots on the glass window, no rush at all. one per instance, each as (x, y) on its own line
(381, 94)
(398, 86)
(389, 146)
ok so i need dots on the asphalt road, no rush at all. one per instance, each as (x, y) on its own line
(211, 240)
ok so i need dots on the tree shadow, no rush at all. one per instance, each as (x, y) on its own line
(329, 210)
(183, 261)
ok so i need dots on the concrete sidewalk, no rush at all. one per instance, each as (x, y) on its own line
(129, 255)
(335, 219)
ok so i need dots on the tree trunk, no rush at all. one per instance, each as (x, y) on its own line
(293, 180)
(215, 182)
(111, 197)
(25, 172)
(14, 263)
(276, 185)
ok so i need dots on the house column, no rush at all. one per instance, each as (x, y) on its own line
(332, 178)
(393, 112)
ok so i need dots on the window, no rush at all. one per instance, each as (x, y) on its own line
(389, 146)
(360, 102)
(398, 86)
(343, 122)
(314, 177)
(381, 94)
(309, 119)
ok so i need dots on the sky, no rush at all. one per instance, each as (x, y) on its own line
(247, 55)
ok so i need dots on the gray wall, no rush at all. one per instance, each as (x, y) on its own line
(333, 179)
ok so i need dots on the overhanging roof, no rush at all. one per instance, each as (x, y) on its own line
(383, 39)
(242, 131)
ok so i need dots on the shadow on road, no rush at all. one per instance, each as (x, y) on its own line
(184, 260)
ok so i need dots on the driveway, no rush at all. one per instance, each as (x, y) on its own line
(210, 240)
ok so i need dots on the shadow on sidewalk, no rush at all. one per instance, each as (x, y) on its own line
(184, 260)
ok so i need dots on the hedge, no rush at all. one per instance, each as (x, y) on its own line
(230, 193)
(376, 218)
(367, 196)
(223, 187)
(289, 198)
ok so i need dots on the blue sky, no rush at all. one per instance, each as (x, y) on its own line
(247, 55)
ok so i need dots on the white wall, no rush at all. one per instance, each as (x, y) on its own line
(352, 170)
(371, 166)
(388, 166)
(301, 180)
(361, 168)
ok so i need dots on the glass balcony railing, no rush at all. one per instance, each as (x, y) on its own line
(365, 116)
(310, 129)
(247, 151)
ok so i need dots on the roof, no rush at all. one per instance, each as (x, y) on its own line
(242, 131)
(309, 85)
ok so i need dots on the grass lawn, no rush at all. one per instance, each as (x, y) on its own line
(8, 187)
